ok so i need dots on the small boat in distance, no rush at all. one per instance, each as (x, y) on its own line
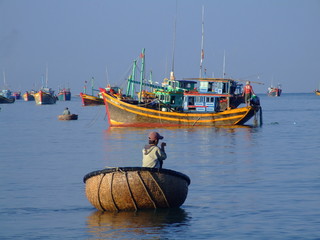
(6, 96)
(28, 96)
(45, 96)
(64, 94)
(5, 93)
(317, 91)
(136, 188)
(274, 91)
(68, 117)
(17, 95)
(91, 100)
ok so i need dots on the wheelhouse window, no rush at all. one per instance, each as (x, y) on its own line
(199, 99)
(209, 99)
(172, 100)
(190, 100)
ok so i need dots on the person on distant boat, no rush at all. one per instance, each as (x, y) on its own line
(153, 156)
(247, 92)
(66, 111)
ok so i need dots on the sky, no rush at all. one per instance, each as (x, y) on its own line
(266, 41)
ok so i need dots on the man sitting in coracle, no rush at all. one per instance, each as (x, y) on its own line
(152, 155)
(66, 111)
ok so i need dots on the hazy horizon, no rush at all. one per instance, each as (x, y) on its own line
(267, 41)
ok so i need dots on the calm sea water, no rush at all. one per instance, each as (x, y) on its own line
(246, 183)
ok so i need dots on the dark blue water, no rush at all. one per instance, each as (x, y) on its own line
(246, 183)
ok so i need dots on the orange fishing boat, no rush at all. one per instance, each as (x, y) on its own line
(179, 103)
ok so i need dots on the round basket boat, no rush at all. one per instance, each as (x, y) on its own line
(68, 117)
(134, 188)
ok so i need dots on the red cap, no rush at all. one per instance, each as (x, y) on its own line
(155, 136)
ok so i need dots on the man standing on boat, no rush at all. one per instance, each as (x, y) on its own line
(247, 92)
(153, 156)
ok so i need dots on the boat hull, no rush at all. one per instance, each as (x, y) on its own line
(43, 98)
(275, 92)
(64, 96)
(68, 117)
(122, 114)
(135, 188)
(89, 100)
(317, 92)
(7, 100)
(28, 97)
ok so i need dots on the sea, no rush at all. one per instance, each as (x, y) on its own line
(247, 182)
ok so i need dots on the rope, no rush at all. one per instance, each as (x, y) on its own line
(164, 196)
(145, 188)
(196, 121)
(131, 195)
(94, 120)
(99, 193)
(115, 206)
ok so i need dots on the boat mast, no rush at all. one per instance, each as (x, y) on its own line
(150, 80)
(46, 75)
(107, 76)
(172, 77)
(92, 84)
(202, 37)
(4, 79)
(130, 85)
(142, 56)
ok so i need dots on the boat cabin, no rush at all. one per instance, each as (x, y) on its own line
(213, 95)
(173, 92)
(6, 93)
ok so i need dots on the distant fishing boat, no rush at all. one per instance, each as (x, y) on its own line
(275, 91)
(45, 95)
(6, 96)
(5, 93)
(136, 188)
(317, 91)
(91, 100)
(28, 96)
(17, 95)
(64, 94)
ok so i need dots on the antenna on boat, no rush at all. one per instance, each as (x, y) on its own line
(46, 75)
(172, 77)
(224, 65)
(202, 36)
(4, 79)
(107, 76)
(92, 86)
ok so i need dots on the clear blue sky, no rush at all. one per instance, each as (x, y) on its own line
(275, 40)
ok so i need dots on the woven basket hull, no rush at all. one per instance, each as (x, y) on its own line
(68, 117)
(137, 188)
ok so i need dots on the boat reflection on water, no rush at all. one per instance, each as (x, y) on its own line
(195, 129)
(110, 225)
